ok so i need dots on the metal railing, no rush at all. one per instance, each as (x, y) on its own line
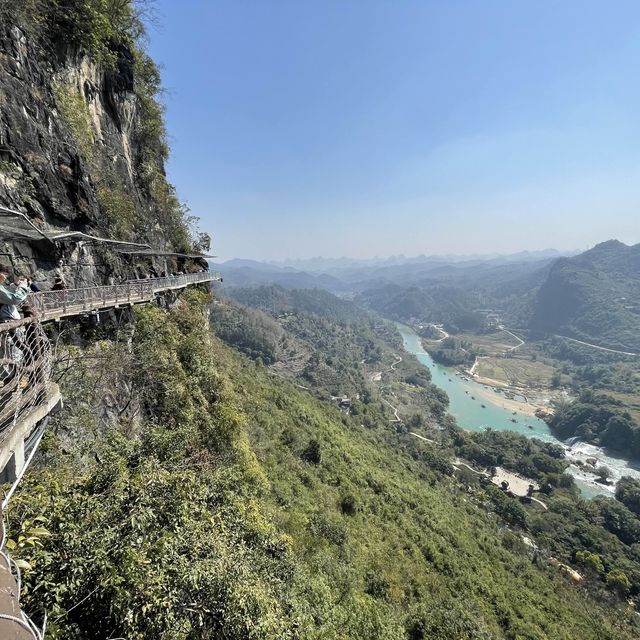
(67, 302)
(14, 623)
(25, 369)
(25, 351)
(25, 374)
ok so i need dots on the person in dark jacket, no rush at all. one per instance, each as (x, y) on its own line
(58, 285)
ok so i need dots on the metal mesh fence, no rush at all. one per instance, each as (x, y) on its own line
(25, 369)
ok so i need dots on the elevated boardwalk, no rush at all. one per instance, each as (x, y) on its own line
(54, 305)
(27, 394)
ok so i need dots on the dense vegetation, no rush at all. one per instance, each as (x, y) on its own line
(95, 26)
(278, 301)
(450, 305)
(628, 492)
(532, 458)
(210, 499)
(453, 351)
(309, 332)
(250, 331)
(599, 419)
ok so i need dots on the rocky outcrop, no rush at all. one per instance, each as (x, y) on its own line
(71, 159)
(43, 173)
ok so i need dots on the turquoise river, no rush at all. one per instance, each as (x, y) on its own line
(476, 407)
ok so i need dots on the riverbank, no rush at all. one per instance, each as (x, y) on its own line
(490, 382)
(466, 397)
(534, 398)
(522, 398)
(508, 404)
(474, 406)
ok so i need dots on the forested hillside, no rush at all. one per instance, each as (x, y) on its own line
(266, 467)
(454, 294)
(214, 500)
(277, 300)
(593, 297)
(310, 335)
(600, 419)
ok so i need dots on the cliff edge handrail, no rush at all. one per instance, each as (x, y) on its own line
(50, 305)
(25, 370)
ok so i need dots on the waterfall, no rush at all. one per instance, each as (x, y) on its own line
(571, 441)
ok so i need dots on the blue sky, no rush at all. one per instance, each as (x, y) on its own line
(370, 127)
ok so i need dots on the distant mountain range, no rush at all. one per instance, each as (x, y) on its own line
(251, 273)
(328, 265)
(593, 296)
(345, 275)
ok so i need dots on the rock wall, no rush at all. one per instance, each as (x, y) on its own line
(69, 157)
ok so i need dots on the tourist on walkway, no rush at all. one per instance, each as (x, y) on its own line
(11, 295)
(11, 341)
(58, 285)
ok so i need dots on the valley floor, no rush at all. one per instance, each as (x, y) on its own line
(507, 365)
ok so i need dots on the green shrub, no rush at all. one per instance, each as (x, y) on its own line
(120, 210)
(617, 581)
(348, 505)
(313, 452)
(590, 560)
(75, 112)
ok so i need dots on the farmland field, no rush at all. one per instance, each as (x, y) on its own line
(516, 371)
(491, 344)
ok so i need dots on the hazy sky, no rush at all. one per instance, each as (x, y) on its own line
(364, 127)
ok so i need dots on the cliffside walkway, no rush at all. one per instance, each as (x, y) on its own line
(28, 396)
(54, 305)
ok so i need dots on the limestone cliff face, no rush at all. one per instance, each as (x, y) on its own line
(76, 154)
